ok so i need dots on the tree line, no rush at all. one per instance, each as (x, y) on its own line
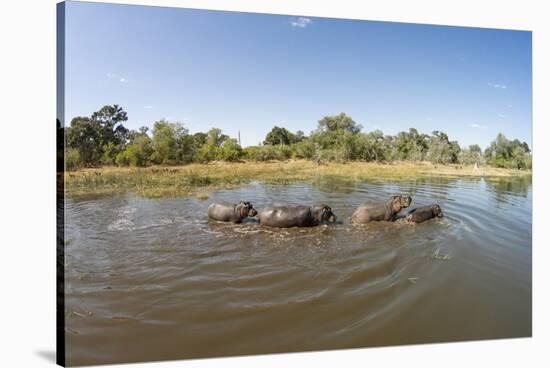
(102, 139)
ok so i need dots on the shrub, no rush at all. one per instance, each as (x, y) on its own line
(305, 149)
(230, 150)
(136, 154)
(206, 153)
(72, 159)
(268, 153)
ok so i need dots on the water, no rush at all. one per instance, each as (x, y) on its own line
(153, 279)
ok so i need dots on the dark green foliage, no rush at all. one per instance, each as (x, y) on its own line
(110, 120)
(509, 154)
(72, 159)
(136, 153)
(84, 135)
(412, 145)
(99, 139)
(230, 150)
(471, 155)
(199, 139)
(340, 122)
(268, 153)
(214, 137)
(282, 136)
(304, 149)
(212, 146)
(441, 150)
(171, 143)
(102, 140)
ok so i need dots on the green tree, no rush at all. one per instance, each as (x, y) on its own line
(441, 150)
(141, 132)
(230, 150)
(137, 153)
(84, 135)
(411, 145)
(110, 119)
(214, 137)
(206, 153)
(72, 159)
(170, 143)
(98, 139)
(199, 139)
(336, 135)
(209, 147)
(305, 149)
(510, 154)
(340, 122)
(471, 155)
(374, 146)
(282, 136)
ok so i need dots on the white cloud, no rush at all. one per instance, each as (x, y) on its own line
(300, 22)
(148, 107)
(502, 116)
(477, 126)
(121, 79)
(496, 85)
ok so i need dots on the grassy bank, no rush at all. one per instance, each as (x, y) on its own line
(199, 179)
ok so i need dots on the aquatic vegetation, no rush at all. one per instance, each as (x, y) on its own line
(199, 179)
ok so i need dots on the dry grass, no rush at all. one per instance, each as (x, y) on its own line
(199, 179)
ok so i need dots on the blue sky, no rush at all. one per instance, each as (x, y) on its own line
(249, 72)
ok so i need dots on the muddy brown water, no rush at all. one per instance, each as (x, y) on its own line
(153, 279)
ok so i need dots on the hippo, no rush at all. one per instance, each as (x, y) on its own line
(421, 214)
(296, 215)
(231, 212)
(380, 211)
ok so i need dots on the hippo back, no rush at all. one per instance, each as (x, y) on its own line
(378, 211)
(287, 216)
(421, 214)
(223, 212)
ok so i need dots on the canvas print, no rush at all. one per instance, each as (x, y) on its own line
(238, 183)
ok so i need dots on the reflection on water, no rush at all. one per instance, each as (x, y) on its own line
(154, 279)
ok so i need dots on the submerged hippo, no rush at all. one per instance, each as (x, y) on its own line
(380, 211)
(296, 215)
(231, 212)
(421, 214)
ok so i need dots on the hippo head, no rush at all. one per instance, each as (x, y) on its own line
(437, 210)
(326, 214)
(399, 202)
(245, 209)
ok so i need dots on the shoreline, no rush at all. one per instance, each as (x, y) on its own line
(199, 179)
